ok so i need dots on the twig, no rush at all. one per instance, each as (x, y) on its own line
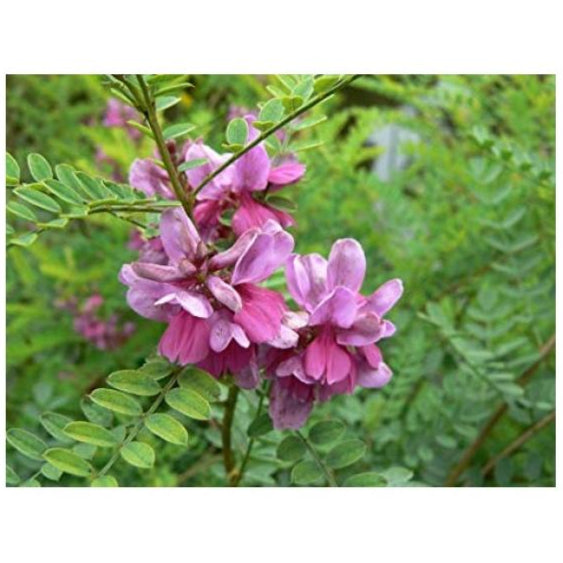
(228, 459)
(326, 471)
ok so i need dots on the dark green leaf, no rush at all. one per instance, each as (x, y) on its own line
(262, 425)
(201, 382)
(397, 476)
(291, 448)
(306, 472)
(54, 423)
(11, 476)
(345, 453)
(326, 432)
(365, 480)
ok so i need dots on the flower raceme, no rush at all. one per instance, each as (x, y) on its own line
(216, 312)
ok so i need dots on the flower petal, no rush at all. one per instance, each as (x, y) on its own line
(179, 236)
(306, 279)
(194, 303)
(149, 178)
(224, 293)
(374, 377)
(383, 298)
(286, 173)
(339, 309)
(232, 254)
(186, 339)
(346, 265)
(367, 328)
(158, 272)
(288, 408)
(251, 171)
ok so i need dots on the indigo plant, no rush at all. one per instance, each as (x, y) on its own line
(228, 287)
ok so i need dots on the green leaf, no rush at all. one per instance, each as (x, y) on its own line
(85, 451)
(68, 462)
(138, 454)
(39, 167)
(38, 198)
(51, 472)
(306, 472)
(283, 203)
(237, 131)
(166, 102)
(31, 483)
(309, 122)
(90, 433)
(345, 453)
(63, 192)
(446, 441)
(116, 401)
(95, 413)
(271, 111)
(59, 223)
(325, 82)
(397, 476)
(167, 428)
(188, 402)
(201, 382)
(326, 432)
(262, 425)
(365, 480)
(173, 88)
(104, 481)
(24, 240)
(54, 423)
(92, 188)
(195, 163)
(12, 477)
(12, 170)
(22, 211)
(291, 448)
(157, 369)
(26, 443)
(134, 382)
(140, 127)
(177, 130)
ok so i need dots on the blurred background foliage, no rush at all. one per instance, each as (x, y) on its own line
(447, 182)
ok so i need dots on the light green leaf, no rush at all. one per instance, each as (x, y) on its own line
(12, 170)
(36, 197)
(134, 382)
(157, 369)
(12, 477)
(51, 472)
(345, 453)
(167, 428)
(397, 476)
(22, 211)
(85, 451)
(26, 443)
(138, 454)
(24, 240)
(39, 167)
(291, 448)
(188, 402)
(166, 102)
(177, 130)
(326, 432)
(104, 481)
(306, 472)
(116, 401)
(237, 131)
(201, 382)
(54, 423)
(63, 192)
(366, 480)
(68, 462)
(271, 111)
(94, 413)
(90, 433)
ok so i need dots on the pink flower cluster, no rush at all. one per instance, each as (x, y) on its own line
(219, 317)
(105, 334)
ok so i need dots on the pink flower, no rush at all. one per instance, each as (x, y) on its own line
(216, 312)
(118, 114)
(336, 349)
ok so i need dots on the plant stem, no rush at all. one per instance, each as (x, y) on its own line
(315, 101)
(238, 477)
(326, 471)
(228, 459)
(474, 447)
(152, 119)
(513, 446)
(137, 428)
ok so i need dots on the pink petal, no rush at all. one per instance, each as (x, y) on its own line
(252, 214)
(383, 298)
(306, 279)
(251, 171)
(287, 408)
(158, 272)
(316, 356)
(231, 255)
(179, 236)
(338, 309)
(286, 173)
(286, 338)
(221, 335)
(372, 354)
(346, 265)
(224, 293)
(367, 328)
(185, 340)
(194, 303)
(375, 378)
(217, 187)
(149, 178)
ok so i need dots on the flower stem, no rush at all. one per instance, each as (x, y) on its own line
(312, 103)
(326, 471)
(226, 434)
(152, 119)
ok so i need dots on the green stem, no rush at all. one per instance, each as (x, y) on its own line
(152, 119)
(240, 473)
(226, 433)
(137, 427)
(326, 471)
(315, 101)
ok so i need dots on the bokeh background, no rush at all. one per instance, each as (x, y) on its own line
(447, 182)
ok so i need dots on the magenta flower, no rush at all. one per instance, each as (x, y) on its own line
(336, 349)
(214, 308)
(118, 114)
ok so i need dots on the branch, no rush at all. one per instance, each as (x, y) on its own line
(327, 472)
(474, 447)
(315, 101)
(228, 460)
(513, 446)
